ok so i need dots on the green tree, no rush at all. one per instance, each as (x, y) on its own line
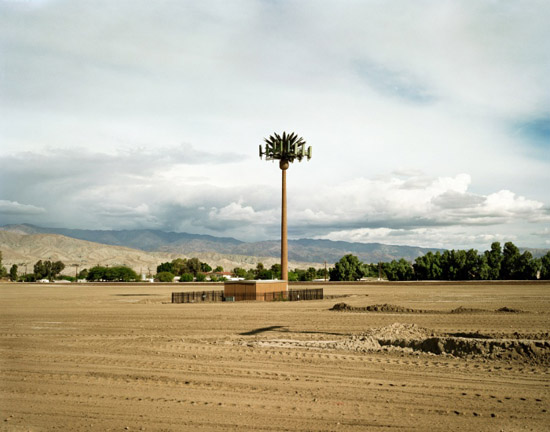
(3, 271)
(13, 273)
(179, 266)
(545, 266)
(83, 274)
(450, 264)
(201, 277)
(259, 267)
(473, 265)
(349, 268)
(264, 274)
(276, 271)
(494, 261)
(292, 276)
(307, 275)
(527, 266)
(218, 269)
(96, 273)
(47, 269)
(261, 273)
(399, 270)
(322, 273)
(436, 266)
(112, 274)
(40, 270)
(193, 266)
(205, 268)
(57, 268)
(428, 267)
(121, 274)
(510, 261)
(165, 277)
(30, 277)
(369, 270)
(423, 267)
(483, 268)
(187, 277)
(239, 272)
(165, 267)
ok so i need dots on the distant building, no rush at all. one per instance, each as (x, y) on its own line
(227, 275)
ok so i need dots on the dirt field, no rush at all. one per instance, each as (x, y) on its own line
(434, 357)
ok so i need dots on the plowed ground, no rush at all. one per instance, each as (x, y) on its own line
(122, 357)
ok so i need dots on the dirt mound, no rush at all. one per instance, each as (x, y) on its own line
(389, 308)
(361, 343)
(462, 310)
(392, 308)
(342, 307)
(525, 350)
(396, 335)
(415, 338)
(508, 310)
(376, 308)
(398, 331)
(533, 336)
(458, 345)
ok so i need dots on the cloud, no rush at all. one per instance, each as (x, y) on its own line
(137, 190)
(438, 237)
(235, 211)
(14, 208)
(441, 211)
(393, 83)
(396, 99)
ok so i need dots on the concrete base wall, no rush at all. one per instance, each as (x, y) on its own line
(253, 290)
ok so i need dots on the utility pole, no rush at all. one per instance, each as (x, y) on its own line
(286, 149)
(76, 272)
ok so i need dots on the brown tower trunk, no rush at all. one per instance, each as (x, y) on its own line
(284, 247)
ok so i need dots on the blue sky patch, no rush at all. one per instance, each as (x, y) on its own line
(536, 131)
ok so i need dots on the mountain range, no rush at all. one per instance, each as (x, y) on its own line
(157, 241)
(144, 249)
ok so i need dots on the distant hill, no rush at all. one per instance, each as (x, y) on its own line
(145, 239)
(145, 249)
(322, 250)
(303, 250)
(26, 249)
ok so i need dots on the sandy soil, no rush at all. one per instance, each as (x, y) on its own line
(122, 358)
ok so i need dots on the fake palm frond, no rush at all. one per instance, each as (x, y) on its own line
(286, 147)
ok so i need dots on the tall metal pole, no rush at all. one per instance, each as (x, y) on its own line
(284, 243)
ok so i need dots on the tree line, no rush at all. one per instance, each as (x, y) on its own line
(194, 270)
(274, 272)
(51, 270)
(498, 263)
(41, 270)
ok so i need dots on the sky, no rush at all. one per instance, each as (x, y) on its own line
(429, 120)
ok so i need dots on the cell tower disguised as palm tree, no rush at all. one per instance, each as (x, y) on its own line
(286, 149)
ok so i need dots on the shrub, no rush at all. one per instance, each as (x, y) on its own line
(165, 276)
(186, 277)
